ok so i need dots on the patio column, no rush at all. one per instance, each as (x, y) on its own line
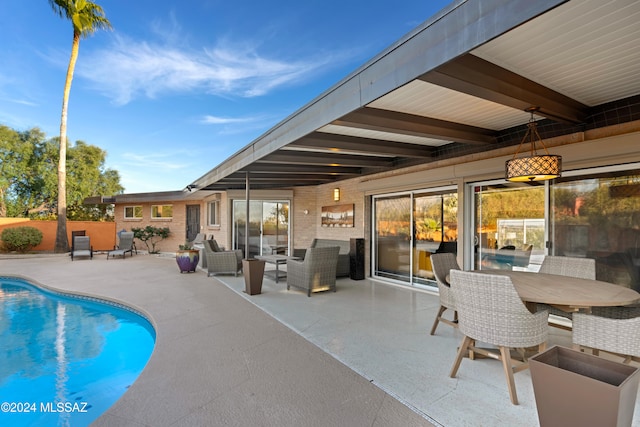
(246, 224)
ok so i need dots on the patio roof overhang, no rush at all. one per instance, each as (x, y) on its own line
(457, 85)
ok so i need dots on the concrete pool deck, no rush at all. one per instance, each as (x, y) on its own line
(218, 359)
(361, 356)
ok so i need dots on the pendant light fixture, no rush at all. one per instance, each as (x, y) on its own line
(533, 167)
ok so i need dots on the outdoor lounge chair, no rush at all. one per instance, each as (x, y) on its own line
(317, 272)
(81, 247)
(442, 264)
(124, 245)
(198, 241)
(221, 262)
(491, 311)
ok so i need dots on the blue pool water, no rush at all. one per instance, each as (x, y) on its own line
(64, 359)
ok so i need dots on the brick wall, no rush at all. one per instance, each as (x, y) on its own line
(309, 226)
(177, 224)
(349, 194)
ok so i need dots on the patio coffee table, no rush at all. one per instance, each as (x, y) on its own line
(277, 260)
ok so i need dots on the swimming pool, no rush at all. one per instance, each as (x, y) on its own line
(65, 359)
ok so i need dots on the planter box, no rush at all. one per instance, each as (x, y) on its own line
(253, 272)
(578, 389)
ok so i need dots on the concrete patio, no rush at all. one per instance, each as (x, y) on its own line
(359, 357)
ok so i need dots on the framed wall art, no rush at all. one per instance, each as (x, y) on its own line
(338, 216)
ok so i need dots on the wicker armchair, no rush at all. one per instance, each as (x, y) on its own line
(317, 272)
(221, 262)
(490, 311)
(584, 268)
(442, 263)
(619, 335)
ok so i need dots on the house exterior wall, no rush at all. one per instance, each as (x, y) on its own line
(177, 224)
(222, 232)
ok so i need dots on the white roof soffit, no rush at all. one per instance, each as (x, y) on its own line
(456, 83)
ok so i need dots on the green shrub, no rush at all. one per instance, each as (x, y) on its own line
(21, 239)
(150, 236)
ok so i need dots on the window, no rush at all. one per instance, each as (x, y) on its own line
(214, 212)
(132, 212)
(161, 211)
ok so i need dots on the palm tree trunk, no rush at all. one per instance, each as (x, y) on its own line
(3, 206)
(62, 241)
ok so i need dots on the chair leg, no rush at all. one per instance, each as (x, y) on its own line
(542, 347)
(466, 341)
(438, 316)
(505, 355)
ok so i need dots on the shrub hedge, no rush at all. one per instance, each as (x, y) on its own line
(21, 239)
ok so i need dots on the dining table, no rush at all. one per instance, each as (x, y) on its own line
(565, 292)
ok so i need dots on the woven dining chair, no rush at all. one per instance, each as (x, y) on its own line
(491, 311)
(442, 263)
(617, 335)
(583, 268)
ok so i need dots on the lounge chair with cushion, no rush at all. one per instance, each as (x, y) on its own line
(317, 272)
(221, 262)
(491, 311)
(198, 241)
(124, 245)
(81, 247)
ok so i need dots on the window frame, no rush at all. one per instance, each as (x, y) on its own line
(158, 208)
(213, 206)
(135, 208)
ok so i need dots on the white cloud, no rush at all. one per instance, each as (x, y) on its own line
(213, 120)
(131, 68)
(158, 162)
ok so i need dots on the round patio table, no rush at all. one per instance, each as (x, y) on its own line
(568, 293)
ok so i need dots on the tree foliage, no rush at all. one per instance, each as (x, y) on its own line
(28, 179)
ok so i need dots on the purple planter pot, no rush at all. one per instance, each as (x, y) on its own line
(187, 260)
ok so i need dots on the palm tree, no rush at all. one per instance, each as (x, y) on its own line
(86, 18)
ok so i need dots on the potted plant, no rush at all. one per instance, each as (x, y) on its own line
(187, 258)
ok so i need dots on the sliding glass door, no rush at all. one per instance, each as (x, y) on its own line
(599, 217)
(592, 213)
(509, 224)
(408, 228)
(393, 237)
(268, 227)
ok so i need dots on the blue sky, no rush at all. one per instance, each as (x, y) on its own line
(177, 87)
